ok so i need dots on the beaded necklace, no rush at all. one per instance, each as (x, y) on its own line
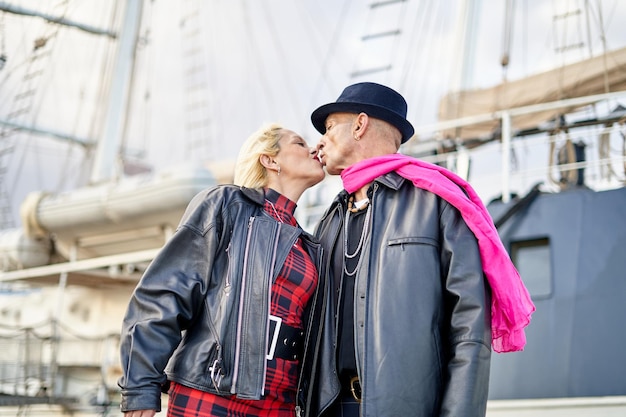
(354, 207)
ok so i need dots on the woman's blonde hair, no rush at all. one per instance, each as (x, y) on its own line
(249, 172)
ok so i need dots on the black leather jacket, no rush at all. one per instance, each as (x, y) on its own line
(421, 308)
(203, 303)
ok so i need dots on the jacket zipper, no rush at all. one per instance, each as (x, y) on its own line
(330, 214)
(215, 370)
(309, 329)
(241, 300)
(343, 260)
(269, 302)
(361, 372)
(227, 285)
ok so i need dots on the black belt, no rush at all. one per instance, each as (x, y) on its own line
(352, 386)
(285, 342)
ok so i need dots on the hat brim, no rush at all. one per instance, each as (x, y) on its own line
(319, 115)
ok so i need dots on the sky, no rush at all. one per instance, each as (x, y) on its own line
(207, 74)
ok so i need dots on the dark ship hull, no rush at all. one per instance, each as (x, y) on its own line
(569, 249)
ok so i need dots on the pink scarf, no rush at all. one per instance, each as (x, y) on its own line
(511, 306)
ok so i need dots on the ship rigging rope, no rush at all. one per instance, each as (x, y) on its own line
(2, 42)
(327, 55)
(428, 24)
(106, 69)
(395, 48)
(257, 58)
(65, 40)
(271, 25)
(24, 100)
(29, 97)
(65, 165)
(384, 25)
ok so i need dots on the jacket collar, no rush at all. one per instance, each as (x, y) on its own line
(391, 180)
(255, 194)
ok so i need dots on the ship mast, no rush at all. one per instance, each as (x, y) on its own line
(109, 144)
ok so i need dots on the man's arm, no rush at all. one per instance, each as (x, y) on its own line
(467, 296)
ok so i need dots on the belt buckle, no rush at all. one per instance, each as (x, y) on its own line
(355, 388)
(278, 322)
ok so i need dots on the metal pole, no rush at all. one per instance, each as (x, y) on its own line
(506, 156)
(56, 322)
(56, 335)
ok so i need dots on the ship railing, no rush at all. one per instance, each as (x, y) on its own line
(589, 145)
(49, 363)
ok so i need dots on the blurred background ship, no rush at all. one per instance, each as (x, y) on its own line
(108, 128)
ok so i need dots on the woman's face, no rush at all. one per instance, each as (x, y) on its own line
(298, 161)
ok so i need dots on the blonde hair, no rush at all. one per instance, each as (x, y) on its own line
(249, 172)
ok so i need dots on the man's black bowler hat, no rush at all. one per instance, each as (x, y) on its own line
(375, 100)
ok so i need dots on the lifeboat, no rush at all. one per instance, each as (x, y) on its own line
(132, 214)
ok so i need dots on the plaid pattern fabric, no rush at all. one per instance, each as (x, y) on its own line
(291, 293)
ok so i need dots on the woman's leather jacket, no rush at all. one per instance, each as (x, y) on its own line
(421, 308)
(202, 306)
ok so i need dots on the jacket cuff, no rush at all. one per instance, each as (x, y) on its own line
(145, 399)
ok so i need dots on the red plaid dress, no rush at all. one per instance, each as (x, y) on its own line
(291, 293)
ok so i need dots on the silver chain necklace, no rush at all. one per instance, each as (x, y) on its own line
(359, 246)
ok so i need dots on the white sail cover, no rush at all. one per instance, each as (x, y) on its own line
(601, 74)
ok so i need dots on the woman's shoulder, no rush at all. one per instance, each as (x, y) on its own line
(208, 203)
(227, 193)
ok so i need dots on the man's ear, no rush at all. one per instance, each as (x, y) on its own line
(360, 124)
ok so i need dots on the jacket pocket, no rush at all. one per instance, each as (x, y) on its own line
(413, 240)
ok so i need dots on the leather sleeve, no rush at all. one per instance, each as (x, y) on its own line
(163, 304)
(468, 303)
